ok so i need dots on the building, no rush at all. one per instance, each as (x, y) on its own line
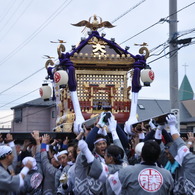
(40, 115)
(34, 115)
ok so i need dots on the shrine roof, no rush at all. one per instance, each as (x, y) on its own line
(97, 49)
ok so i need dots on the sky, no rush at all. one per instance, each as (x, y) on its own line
(27, 27)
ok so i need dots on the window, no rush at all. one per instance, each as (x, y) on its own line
(18, 115)
(53, 114)
(141, 107)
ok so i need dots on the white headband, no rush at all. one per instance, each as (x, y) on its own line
(55, 157)
(5, 150)
(98, 140)
(62, 152)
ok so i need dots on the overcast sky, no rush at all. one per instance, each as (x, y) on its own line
(27, 27)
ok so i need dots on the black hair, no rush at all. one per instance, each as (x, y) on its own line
(98, 136)
(116, 152)
(74, 144)
(150, 151)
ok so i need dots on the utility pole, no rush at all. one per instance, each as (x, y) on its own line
(173, 48)
(173, 60)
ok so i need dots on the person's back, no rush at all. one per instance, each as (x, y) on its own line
(33, 180)
(144, 178)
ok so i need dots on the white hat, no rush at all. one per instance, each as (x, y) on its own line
(5, 150)
(138, 148)
(29, 158)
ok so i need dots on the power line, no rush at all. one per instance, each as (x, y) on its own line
(161, 20)
(33, 35)
(42, 109)
(18, 98)
(1, 123)
(180, 10)
(9, 7)
(125, 13)
(13, 14)
(21, 80)
(121, 43)
(6, 116)
(171, 52)
(52, 105)
(147, 63)
(183, 33)
(132, 8)
(140, 32)
(16, 20)
(165, 47)
(42, 68)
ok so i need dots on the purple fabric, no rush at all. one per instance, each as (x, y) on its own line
(50, 73)
(72, 83)
(138, 65)
(136, 80)
(67, 65)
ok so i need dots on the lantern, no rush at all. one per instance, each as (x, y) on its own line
(147, 76)
(61, 77)
(45, 92)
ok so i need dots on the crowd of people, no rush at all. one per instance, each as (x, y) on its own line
(103, 160)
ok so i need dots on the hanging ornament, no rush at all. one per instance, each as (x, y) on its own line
(61, 77)
(45, 92)
(147, 76)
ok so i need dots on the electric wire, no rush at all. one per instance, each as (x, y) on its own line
(9, 7)
(18, 98)
(43, 68)
(183, 33)
(113, 21)
(160, 51)
(6, 116)
(42, 109)
(153, 49)
(162, 56)
(139, 33)
(5, 122)
(22, 80)
(12, 15)
(157, 46)
(171, 52)
(34, 34)
(161, 20)
(15, 21)
(125, 13)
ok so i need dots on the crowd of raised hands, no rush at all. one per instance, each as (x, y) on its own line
(107, 143)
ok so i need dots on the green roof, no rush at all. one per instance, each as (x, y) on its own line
(185, 90)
